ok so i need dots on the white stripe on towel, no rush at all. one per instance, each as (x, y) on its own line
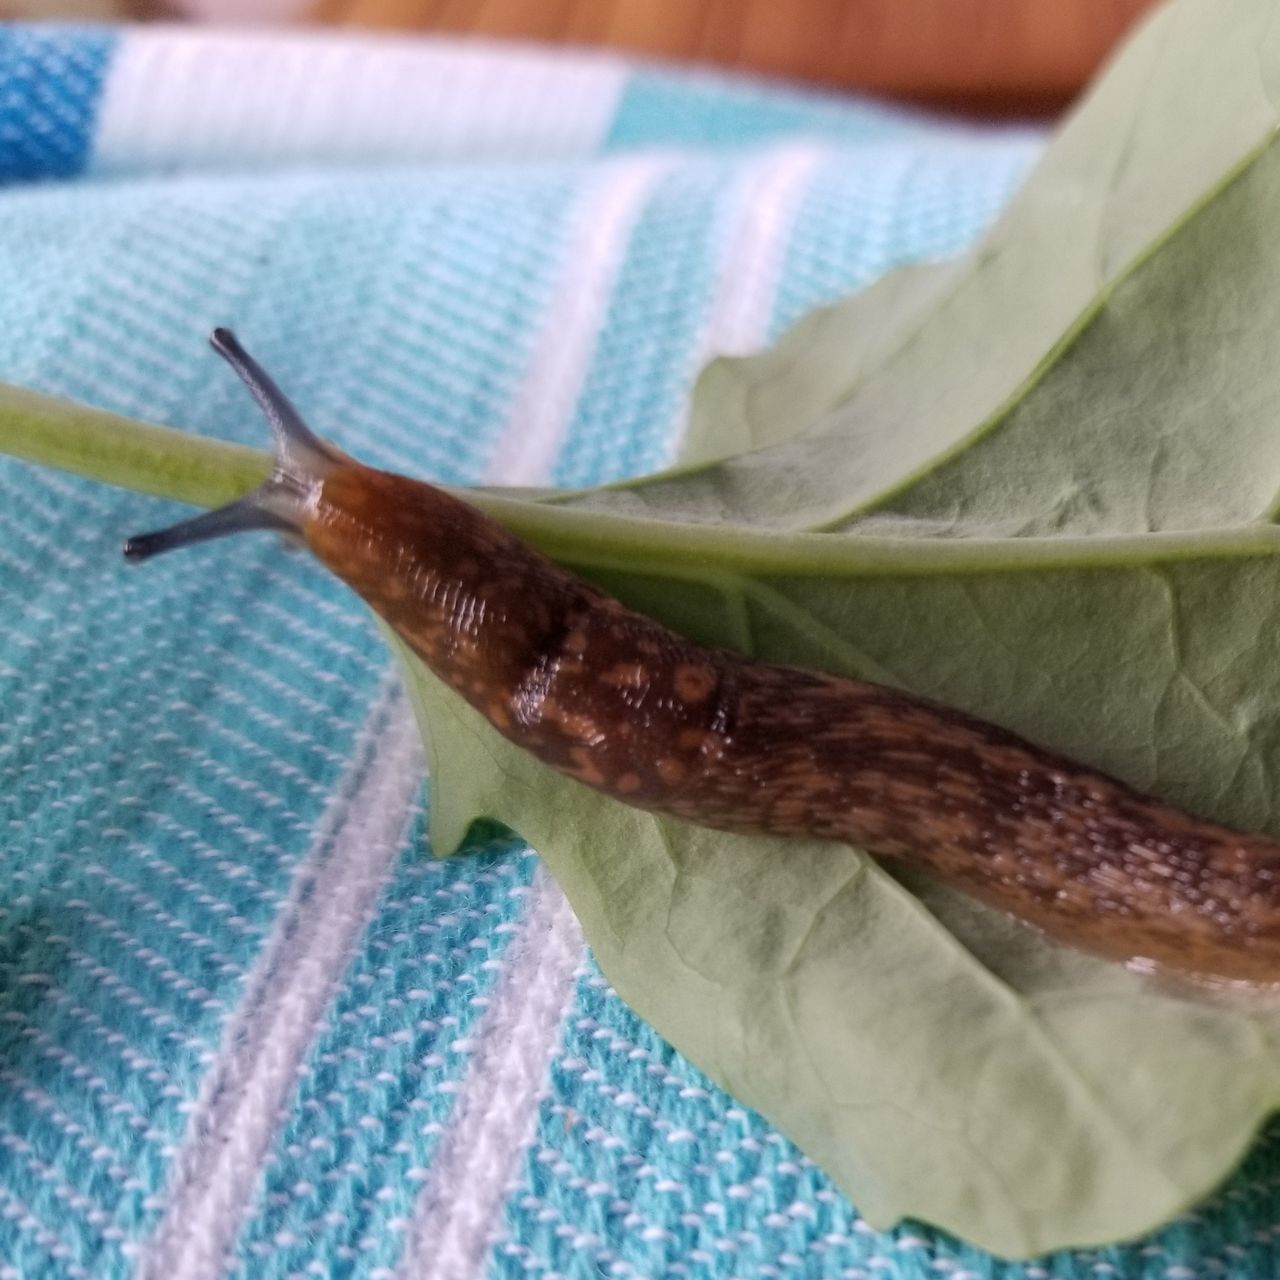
(748, 273)
(599, 232)
(751, 264)
(334, 890)
(458, 1214)
(251, 99)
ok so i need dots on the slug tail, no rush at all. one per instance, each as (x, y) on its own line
(302, 461)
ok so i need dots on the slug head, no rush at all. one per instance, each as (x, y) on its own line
(283, 501)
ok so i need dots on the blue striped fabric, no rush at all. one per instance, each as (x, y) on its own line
(660, 108)
(645, 353)
(378, 1088)
(857, 220)
(52, 81)
(247, 1026)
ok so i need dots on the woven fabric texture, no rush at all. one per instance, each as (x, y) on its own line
(247, 1026)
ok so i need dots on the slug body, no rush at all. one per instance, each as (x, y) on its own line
(624, 705)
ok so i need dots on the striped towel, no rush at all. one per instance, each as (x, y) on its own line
(247, 1027)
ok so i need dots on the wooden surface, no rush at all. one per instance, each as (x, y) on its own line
(982, 54)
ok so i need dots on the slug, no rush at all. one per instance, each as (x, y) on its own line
(624, 705)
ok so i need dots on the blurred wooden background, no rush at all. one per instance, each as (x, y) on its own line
(982, 55)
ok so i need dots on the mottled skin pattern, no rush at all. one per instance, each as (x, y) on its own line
(622, 704)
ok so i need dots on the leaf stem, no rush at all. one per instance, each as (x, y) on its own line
(121, 451)
(189, 468)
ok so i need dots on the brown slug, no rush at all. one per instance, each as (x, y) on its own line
(619, 702)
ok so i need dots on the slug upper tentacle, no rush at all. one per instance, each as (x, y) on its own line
(621, 703)
(302, 461)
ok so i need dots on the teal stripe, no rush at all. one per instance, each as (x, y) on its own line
(379, 1086)
(400, 312)
(645, 355)
(412, 357)
(156, 797)
(670, 109)
(865, 213)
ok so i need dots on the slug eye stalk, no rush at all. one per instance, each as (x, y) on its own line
(241, 516)
(302, 460)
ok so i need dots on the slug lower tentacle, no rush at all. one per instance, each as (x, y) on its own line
(624, 705)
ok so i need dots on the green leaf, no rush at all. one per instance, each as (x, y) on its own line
(1038, 483)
